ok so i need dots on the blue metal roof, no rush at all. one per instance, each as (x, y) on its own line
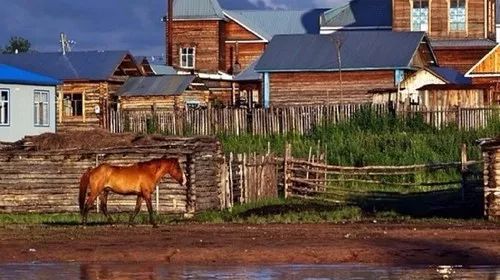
(85, 65)
(451, 75)
(197, 9)
(360, 50)
(249, 73)
(268, 23)
(13, 75)
(360, 13)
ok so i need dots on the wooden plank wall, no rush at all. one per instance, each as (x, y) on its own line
(462, 59)
(48, 182)
(311, 88)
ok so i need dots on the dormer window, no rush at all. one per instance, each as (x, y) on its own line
(188, 57)
(457, 15)
(420, 15)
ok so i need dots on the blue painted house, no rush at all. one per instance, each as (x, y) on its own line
(27, 103)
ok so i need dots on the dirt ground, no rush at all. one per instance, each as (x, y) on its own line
(194, 244)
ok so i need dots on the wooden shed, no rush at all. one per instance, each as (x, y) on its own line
(167, 92)
(487, 70)
(491, 156)
(448, 96)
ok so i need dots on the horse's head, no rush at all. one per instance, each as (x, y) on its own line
(175, 170)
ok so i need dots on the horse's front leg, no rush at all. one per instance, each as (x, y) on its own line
(136, 210)
(147, 197)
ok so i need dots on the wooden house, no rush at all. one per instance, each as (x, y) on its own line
(341, 67)
(461, 31)
(449, 96)
(487, 71)
(491, 156)
(89, 80)
(160, 93)
(27, 103)
(217, 44)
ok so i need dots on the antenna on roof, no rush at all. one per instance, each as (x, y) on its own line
(66, 44)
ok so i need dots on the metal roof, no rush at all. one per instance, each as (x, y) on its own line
(451, 75)
(85, 65)
(160, 69)
(360, 13)
(268, 23)
(455, 87)
(197, 9)
(463, 43)
(360, 50)
(249, 73)
(13, 75)
(168, 85)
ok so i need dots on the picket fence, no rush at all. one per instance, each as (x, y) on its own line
(300, 120)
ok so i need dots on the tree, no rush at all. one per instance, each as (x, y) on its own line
(17, 43)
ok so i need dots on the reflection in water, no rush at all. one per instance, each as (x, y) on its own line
(159, 271)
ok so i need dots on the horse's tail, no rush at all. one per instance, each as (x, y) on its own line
(84, 184)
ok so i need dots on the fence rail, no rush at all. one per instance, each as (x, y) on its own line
(301, 120)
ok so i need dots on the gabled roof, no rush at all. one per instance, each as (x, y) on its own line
(450, 75)
(84, 65)
(169, 85)
(483, 68)
(249, 73)
(13, 75)
(197, 9)
(360, 13)
(360, 50)
(267, 23)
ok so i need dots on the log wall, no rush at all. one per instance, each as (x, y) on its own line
(314, 88)
(462, 59)
(47, 182)
(491, 157)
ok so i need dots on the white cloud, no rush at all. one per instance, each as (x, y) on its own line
(269, 4)
(328, 3)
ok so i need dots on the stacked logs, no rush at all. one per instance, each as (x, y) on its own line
(491, 155)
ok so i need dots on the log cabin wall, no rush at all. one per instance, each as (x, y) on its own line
(142, 103)
(309, 88)
(491, 156)
(205, 36)
(461, 59)
(48, 182)
(478, 25)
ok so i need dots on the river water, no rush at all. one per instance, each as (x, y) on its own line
(309, 272)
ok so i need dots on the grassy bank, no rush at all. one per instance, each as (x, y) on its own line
(368, 139)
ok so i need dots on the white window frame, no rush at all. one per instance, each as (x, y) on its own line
(4, 104)
(38, 119)
(453, 15)
(420, 11)
(186, 55)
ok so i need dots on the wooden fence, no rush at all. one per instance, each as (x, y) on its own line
(281, 120)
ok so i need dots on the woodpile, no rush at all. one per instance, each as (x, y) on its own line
(491, 155)
(47, 181)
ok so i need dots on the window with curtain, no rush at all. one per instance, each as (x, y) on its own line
(457, 15)
(420, 15)
(41, 108)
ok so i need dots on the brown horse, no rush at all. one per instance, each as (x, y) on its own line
(138, 179)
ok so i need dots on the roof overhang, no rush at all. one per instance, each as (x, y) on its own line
(336, 70)
(469, 73)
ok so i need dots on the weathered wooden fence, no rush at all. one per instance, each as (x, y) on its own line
(282, 120)
(47, 181)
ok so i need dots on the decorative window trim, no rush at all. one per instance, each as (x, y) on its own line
(466, 23)
(8, 122)
(182, 55)
(35, 103)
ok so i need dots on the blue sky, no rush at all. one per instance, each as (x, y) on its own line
(108, 24)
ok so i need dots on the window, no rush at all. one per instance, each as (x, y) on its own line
(72, 105)
(188, 57)
(41, 108)
(420, 15)
(4, 107)
(457, 15)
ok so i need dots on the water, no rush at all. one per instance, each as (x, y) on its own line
(309, 272)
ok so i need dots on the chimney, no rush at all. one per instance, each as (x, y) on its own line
(169, 22)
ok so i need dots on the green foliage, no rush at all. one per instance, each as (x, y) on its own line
(17, 43)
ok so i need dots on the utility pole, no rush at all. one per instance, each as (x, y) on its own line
(169, 22)
(339, 41)
(65, 43)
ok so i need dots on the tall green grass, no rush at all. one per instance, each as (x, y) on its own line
(371, 139)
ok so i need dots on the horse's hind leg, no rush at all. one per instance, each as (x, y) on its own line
(104, 206)
(136, 210)
(88, 205)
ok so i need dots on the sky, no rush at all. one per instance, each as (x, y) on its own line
(133, 25)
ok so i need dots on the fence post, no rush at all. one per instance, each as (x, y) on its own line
(463, 169)
(286, 158)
